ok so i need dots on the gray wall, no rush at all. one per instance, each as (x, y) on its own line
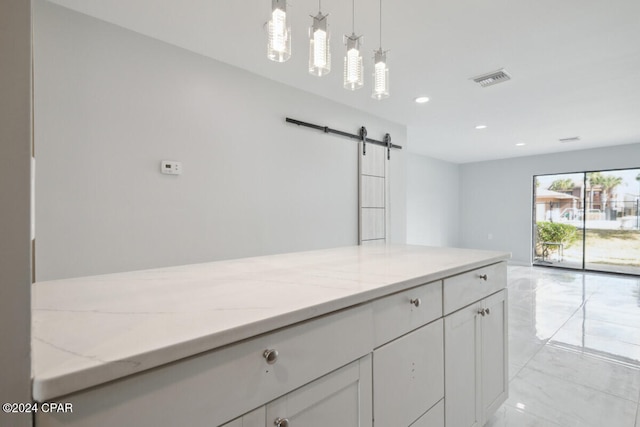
(432, 201)
(15, 176)
(496, 196)
(110, 104)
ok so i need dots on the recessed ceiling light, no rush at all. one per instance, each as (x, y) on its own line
(481, 127)
(422, 99)
(520, 144)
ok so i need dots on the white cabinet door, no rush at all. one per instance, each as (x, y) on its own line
(408, 376)
(462, 367)
(341, 398)
(495, 366)
(476, 367)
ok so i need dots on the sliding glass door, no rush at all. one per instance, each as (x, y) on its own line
(559, 220)
(588, 220)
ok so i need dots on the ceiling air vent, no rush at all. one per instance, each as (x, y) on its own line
(572, 139)
(492, 78)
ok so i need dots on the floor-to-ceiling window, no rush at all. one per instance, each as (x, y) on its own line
(588, 220)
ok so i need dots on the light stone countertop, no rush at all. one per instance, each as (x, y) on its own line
(90, 330)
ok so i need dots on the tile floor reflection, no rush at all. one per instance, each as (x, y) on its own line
(574, 350)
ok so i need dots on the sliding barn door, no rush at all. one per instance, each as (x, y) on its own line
(374, 195)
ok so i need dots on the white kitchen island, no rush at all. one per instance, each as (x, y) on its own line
(353, 336)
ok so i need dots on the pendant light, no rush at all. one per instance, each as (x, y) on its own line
(319, 47)
(279, 30)
(380, 69)
(353, 58)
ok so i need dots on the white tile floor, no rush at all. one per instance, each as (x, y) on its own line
(574, 350)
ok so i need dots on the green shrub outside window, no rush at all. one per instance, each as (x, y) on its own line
(556, 232)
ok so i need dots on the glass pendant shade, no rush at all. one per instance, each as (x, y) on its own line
(319, 48)
(353, 63)
(380, 76)
(279, 30)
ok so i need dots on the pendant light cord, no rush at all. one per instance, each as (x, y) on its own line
(353, 16)
(380, 24)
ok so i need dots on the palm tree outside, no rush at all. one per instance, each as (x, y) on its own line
(562, 185)
(608, 183)
(593, 178)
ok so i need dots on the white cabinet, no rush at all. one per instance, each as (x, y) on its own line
(341, 398)
(462, 367)
(495, 366)
(408, 376)
(391, 361)
(218, 386)
(475, 341)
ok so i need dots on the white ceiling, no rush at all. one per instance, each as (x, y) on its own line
(575, 64)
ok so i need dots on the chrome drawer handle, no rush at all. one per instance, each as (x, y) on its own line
(416, 302)
(281, 422)
(483, 277)
(271, 356)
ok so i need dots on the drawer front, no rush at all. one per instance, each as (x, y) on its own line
(408, 376)
(467, 288)
(397, 314)
(341, 398)
(433, 418)
(218, 386)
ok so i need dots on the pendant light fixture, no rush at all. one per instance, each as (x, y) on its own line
(380, 69)
(279, 30)
(319, 47)
(353, 58)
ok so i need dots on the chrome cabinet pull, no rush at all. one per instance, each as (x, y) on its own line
(483, 277)
(484, 311)
(281, 422)
(271, 356)
(416, 302)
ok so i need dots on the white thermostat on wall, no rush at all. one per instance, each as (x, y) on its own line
(170, 167)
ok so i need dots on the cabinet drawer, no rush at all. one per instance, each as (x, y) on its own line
(433, 418)
(341, 398)
(464, 289)
(397, 314)
(216, 387)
